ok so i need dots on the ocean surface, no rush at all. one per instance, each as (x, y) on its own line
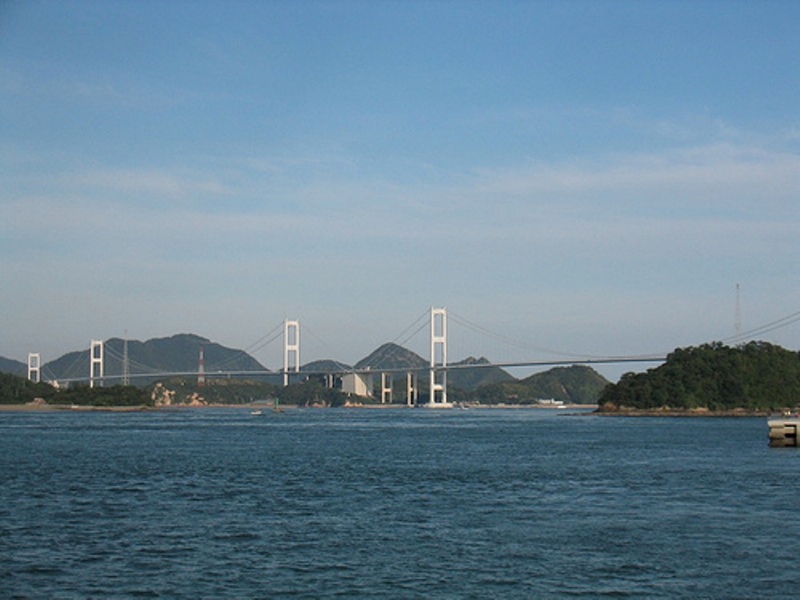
(394, 503)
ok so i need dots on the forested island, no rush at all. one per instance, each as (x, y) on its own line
(753, 378)
(18, 390)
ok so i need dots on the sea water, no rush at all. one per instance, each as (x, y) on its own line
(394, 503)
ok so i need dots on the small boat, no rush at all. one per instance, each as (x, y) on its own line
(255, 412)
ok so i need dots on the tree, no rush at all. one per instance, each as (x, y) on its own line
(757, 376)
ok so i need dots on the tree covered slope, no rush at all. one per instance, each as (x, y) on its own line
(755, 376)
(576, 384)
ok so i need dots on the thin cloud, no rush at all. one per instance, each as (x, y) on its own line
(151, 182)
(722, 166)
(543, 200)
(23, 80)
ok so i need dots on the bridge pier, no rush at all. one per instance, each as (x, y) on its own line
(386, 388)
(412, 389)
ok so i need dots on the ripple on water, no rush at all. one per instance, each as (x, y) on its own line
(513, 504)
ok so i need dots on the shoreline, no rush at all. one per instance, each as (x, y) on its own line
(590, 409)
(668, 412)
(53, 408)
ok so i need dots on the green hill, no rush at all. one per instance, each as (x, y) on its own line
(18, 390)
(175, 354)
(325, 365)
(465, 378)
(14, 367)
(757, 376)
(392, 356)
(576, 384)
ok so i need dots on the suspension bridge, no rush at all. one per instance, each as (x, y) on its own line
(354, 379)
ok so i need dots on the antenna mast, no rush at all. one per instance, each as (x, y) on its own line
(126, 369)
(738, 321)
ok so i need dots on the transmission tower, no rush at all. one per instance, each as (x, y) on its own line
(438, 357)
(126, 366)
(201, 370)
(738, 317)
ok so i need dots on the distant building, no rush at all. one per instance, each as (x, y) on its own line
(358, 384)
(550, 402)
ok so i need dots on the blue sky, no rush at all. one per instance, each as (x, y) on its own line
(591, 178)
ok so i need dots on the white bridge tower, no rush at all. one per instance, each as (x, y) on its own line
(96, 353)
(291, 349)
(34, 367)
(438, 357)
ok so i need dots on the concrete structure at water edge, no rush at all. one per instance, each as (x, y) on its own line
(358, 384)
(783, 431)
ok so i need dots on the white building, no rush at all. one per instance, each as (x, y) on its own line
(358, 384)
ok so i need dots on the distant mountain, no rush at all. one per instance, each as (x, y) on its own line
(472, 379)
(325, 365)
(576, 384)
(176, 354)
(14, 367)
(392, 356)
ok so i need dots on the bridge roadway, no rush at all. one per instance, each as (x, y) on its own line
(425, 369)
